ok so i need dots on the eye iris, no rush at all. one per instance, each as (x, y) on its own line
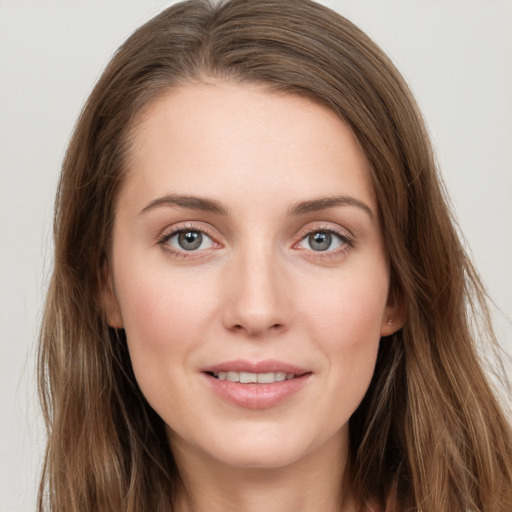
(320, 241)
(190, 240)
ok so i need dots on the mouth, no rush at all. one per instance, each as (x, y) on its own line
(254, 378)
(256, 385)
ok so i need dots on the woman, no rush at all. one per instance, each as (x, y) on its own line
(259, 299)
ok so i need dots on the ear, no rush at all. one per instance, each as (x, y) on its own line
(109, 300)
(394, 315)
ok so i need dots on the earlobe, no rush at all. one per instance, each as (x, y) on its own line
(109, 300)
(394, 315)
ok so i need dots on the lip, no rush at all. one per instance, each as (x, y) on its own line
(267, 366)
(256, 396)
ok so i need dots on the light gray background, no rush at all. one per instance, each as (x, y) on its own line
(456, 55)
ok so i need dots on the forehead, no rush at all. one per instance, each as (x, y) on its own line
(221, 137)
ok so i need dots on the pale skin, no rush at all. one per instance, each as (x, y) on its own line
(290, 267)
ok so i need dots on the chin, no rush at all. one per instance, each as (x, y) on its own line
(261, 457)
(262, 446)
(257, 461)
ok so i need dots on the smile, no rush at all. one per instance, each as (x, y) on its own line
(256, 385)
(251, 378)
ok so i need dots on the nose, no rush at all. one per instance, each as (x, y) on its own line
(257, 295)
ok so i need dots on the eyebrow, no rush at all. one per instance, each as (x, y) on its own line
(323, 203)
(213, 206)
(190, 202)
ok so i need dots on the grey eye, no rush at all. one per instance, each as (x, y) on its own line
(320, 241)
(190, 240)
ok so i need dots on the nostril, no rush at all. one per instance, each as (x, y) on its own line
(255, 330)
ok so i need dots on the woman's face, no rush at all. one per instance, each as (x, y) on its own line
(249, 274)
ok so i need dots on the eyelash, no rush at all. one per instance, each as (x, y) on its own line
(347, 242)
(168, 235)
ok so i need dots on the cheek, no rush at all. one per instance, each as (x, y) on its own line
(345, 322)
(164, 316)
(348, 314)
(165, 319)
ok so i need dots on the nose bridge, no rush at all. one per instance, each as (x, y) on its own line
(257, 296)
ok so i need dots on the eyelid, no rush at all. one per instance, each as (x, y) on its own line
(346, 237)
(173, 230)
(310, 228)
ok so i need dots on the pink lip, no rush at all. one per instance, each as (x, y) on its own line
(256, 396)
(267, 366)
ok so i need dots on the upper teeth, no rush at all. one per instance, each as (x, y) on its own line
(247, 377)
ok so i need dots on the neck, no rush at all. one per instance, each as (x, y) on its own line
(311, 484)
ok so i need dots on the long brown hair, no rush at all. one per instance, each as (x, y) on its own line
(429, 431)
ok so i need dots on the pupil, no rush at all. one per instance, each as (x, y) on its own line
(190, 240)
(320, 241)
